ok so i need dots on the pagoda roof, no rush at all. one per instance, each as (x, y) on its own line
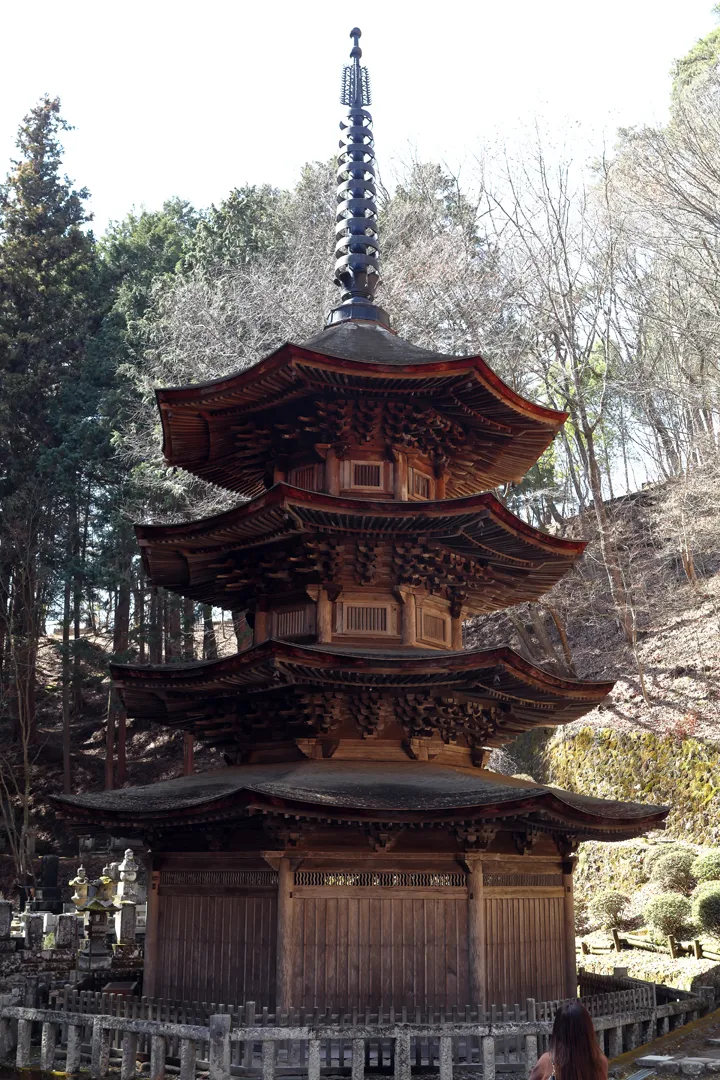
(508, 561)
(223, 430)
(409, 793)
(197, 696)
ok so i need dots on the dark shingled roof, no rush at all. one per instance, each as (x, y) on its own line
(387, 788)
(370, 343)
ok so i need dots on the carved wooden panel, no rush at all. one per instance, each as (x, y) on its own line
(515, 881)
(242, 879)
(390, 879)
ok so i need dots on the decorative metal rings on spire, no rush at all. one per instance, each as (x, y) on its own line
(357, 249)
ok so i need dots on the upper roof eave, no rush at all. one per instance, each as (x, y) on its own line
(288, 352)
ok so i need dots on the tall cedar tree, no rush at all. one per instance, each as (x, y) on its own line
(46, 281)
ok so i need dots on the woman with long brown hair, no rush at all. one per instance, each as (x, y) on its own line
(574, 1052)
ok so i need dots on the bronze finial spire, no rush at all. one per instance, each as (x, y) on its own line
(357, 251)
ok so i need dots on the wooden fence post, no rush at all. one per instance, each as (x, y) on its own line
(248, 1047)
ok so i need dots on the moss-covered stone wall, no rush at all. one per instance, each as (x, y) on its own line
(637, 766)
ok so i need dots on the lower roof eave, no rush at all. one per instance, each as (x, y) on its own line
(409, 795)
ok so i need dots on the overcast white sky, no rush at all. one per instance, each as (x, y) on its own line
(192, 99)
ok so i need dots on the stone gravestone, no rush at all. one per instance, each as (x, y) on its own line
(7, 944)
(47, 893)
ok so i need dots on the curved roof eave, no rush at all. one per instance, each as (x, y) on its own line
(437, 364)
(285, 494)
(408, 793)
(327, 656)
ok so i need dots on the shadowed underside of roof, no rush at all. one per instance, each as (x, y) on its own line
(225, 430)
(497, 692)
(474, 544)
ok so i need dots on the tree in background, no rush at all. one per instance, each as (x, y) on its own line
(47, 315)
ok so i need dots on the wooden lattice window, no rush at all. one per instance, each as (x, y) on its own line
(421, 485)
(366, 619)
(308, 477)
(366, 474)
(351, 618)
(434, 627)
(293, 622)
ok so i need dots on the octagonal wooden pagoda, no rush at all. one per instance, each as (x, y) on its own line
(355, 851)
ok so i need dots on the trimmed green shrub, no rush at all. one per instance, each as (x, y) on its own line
(707, 867)
(606, 908)
(673, 872)
(658, 851)
(706, 910)
(668, 912)
(702, 887)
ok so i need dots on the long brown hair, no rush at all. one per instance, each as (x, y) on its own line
(575, 1051)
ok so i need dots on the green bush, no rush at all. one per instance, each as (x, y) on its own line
(673, 872)
(706, 910)
(668, 912)
(702, 887)
(658, 851)
(707, 867)
(607, 907)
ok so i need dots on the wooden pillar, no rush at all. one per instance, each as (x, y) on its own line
(400, 477)
(261, 629)
(324, 617)
(285, 938)
(188, 753)
(440, 486)
(476, 931)
(456, 632)
(332, 473)
(150, 974)
(110, 743)
(569, 926)
(408, 627)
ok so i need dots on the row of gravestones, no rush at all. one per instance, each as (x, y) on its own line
(107, 903)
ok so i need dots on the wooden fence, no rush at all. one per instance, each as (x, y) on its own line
(672, 947)
(238, 1041)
